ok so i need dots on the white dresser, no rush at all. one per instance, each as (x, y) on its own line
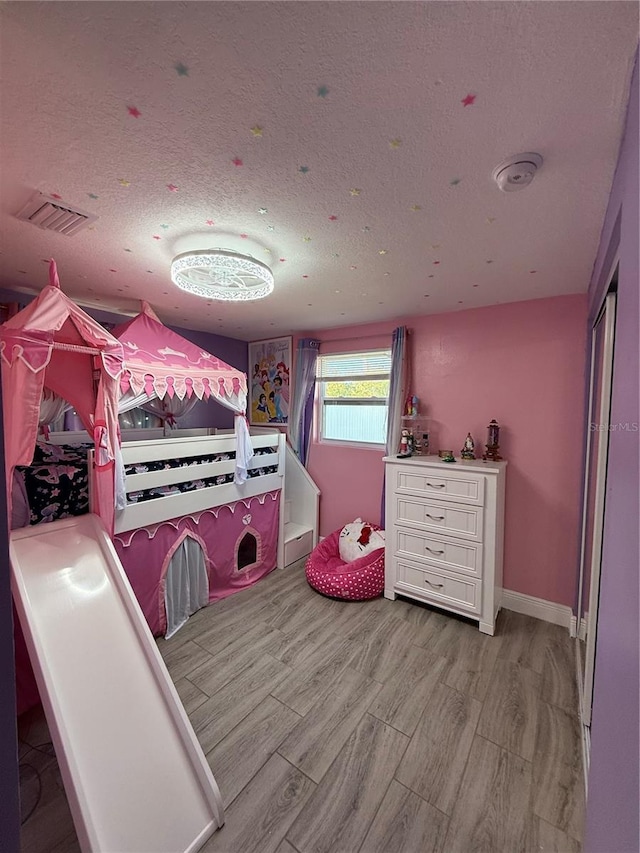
(444, 534)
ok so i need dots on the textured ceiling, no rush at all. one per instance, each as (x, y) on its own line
(332, 140)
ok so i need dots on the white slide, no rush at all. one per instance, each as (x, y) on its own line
(136, 778)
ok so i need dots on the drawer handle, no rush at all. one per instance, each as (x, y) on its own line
(436, 486)
(433, 551)
(436, 585)
(435, 517)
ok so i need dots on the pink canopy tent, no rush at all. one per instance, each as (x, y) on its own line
(161, 363)
(52, 344)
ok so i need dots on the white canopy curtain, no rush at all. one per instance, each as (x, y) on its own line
(52, 407)
(303, 388)
(170, 410)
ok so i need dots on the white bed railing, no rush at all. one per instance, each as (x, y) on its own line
(166, 507)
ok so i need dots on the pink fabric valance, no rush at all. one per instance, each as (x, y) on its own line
(161, 362)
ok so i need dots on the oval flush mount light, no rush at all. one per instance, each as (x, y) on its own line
(221, 274)
(517, 172)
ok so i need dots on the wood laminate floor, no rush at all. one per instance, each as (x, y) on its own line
(373, 727)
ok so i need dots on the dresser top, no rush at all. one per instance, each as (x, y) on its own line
(477, 465)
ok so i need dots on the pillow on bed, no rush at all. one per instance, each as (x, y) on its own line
(359, 539)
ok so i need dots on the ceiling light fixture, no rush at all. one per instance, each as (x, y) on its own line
(221, 274)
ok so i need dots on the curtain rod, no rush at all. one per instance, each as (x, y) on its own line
(357, 338)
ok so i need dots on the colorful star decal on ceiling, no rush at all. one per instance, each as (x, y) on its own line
(263, 211)
(268, 251)
(303, 170)
(237, 161)
(124, 182)
(134, 111)
(172, 188)
(164, 227)
(55, 195)
(532, 271)
(366, 229)
(244, 236)
(305, 276)
(181, 69)
(454, 182)
(282, 260)
(92, 195)
(333, 218)
(209, 222)
(157, 237)
(354, 191)
(395, 143)
(383, 251)
(435, 263)
(415, 208)
(271, 227)
(322, 91)
(306, 239)
(353, 267)
(468, 101)
(113, 270)
(256, 131)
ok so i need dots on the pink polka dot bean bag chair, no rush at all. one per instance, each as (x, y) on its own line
(349, 564)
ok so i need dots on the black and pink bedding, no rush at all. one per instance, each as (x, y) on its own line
(54, 486)
(190, 485)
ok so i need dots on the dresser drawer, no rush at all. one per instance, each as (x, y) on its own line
(451, 554)
(449, 518)
(457, 486)
(439, 587)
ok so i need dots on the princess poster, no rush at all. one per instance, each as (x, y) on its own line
(269, 367)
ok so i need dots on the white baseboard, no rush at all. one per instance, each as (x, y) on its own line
(548, 611)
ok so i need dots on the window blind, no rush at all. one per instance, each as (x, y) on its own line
(345, 367)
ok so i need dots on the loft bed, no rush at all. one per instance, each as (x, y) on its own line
(180, 549)
(185, 514)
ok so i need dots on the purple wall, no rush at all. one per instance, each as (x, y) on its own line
(612, 807)
(9, 784)
(235, 353)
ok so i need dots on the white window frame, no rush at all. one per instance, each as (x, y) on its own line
(320, 380)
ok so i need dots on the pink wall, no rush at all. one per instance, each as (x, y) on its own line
(521, 363)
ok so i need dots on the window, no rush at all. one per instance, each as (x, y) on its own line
(354, 391)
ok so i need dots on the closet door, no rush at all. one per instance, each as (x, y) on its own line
(599, 428)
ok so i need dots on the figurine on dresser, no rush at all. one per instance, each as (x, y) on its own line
(469, 449)
(405, 444)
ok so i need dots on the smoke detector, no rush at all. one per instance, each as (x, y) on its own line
(53, 214)
(517, 172)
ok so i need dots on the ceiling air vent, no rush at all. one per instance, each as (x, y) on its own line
(52, 214)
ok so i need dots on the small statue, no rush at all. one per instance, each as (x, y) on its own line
(493, 442)
(469, 449)
(405, 444)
